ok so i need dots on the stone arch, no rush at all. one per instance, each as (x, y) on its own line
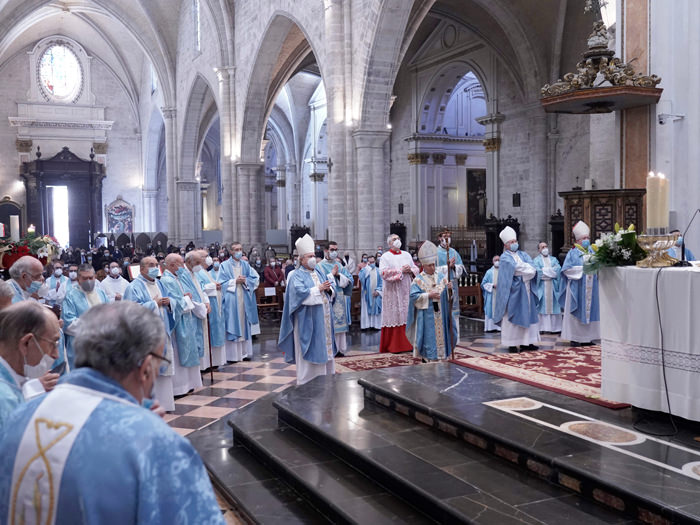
(201, 107)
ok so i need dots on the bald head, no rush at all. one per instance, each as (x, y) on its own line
(26, 270)
(173, 262)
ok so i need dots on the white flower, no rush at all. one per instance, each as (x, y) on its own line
(587, 258)
(42, 252)
(618, 237)
(599, 243)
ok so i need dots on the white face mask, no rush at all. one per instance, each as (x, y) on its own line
(396, 244)
(497, 264)
(38, 370)
(208, 261)
(545, 252)
(273, 263)
(58, 272)
(115, 271)
(311, 263)
(197, 269)
(73, 275)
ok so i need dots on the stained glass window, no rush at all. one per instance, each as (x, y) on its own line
(59, 72)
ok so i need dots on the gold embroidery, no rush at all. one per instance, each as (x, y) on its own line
(41, 453)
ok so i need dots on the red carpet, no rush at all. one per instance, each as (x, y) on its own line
(359, 363)
(573, 372)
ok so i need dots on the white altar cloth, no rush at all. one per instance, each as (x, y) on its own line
(631, 338)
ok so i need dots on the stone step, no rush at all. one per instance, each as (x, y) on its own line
(338, 492)
(591, 450)
(442, 476)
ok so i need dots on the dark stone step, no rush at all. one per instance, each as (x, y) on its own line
(444, 477)
(439, 396)
(340, 493)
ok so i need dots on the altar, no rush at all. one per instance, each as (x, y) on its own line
(631, 338)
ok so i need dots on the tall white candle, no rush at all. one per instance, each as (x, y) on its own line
(652, 200)
(663, 201)
(14, 227)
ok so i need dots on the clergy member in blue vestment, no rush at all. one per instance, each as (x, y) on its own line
(187, 347)
(27, 279)
(306, 335)
(194, 263)
(516, 296)
(28, 338)
(371, 295)
(148, 291)
(488, 284)
(106, 459)
(548, 283)
(676, 251)
(57, 285)
(430, 326)
(579, 293)
(448, 256)
(238, 284)
(217, 324)
(343, 281)
(78, 301)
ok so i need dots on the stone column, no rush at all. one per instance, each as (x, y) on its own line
(492, 144)
(171, 173)
(281, 182)
(418, 165)
(230, 226)
(372, 221)
(188, 197)
(338, 222)
(293, 191)
(438, 162)
(247, 199)
(150, 210)
(317, 179)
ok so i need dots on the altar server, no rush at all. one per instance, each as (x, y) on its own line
(114, 285)
(148, 291)
(429, 326)
(397, 270)
(448, 256)
(581, 322)
(306, 335)
(516, 296)
(78, 301)
(334, 270)
(489, 285)
(109, 460)
(188, 348)
(371, 295)
(676, 251)
(238, 283)
(548, 282)
(217, 325)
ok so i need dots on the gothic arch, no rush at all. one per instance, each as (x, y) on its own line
(201, 105)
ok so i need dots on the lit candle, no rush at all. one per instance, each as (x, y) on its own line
(663, 202)
(652, 200)
(31, 229)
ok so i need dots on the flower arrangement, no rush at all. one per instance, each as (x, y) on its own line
(613, 249)
(43, 247)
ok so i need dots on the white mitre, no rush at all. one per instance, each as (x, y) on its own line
(581, 230)
(507, 234)
(305, 245)
(427, 253)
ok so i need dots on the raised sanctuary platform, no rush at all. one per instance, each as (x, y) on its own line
(442, 443)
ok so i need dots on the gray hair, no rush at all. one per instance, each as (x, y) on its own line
(115, 338)
(190, 255)
(86, 268)
(388, 239)
(22, 265)
(6, 290)
(20, 319)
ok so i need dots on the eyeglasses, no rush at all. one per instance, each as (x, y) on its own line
(162, 369)
(54, 343)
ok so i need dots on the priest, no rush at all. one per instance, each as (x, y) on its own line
(579, 296)
(489, 284)
(548, 282)
(429, 326)
(78, 301)
(516, 296)
(397, 270)
(306, 335)
(449, 257)
(57, 285)
(150, 293)
(238, 283)
(336, 272)
(114, 285)
(27, 279)
(194, 263)
(676, 251)
(217, 326)
(187, 347)
(371, 295)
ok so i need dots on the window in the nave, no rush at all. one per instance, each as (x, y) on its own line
(60, 73)
(197, 25)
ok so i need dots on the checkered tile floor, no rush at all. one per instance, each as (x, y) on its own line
(236, 385)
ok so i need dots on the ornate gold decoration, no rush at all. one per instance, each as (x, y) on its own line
(439, 158)
(460, 159)
(656, 246)
(492, 144)
(599, 61)
(100, 148)
(23, 145)
(418, 158)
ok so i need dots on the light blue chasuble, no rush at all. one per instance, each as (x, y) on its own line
(584, 304)
(189, 346)
(432, 334)
(74, 305)
(118, 462)
(188, 286)
(443, 259)
(548, 295)
(373, 304)
(341, 306)
(235, 294)
(217, 325)
(10, 393)
(313, 327)
(488, 296)
(512, 293)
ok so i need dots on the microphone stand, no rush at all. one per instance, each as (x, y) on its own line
(683, 261)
